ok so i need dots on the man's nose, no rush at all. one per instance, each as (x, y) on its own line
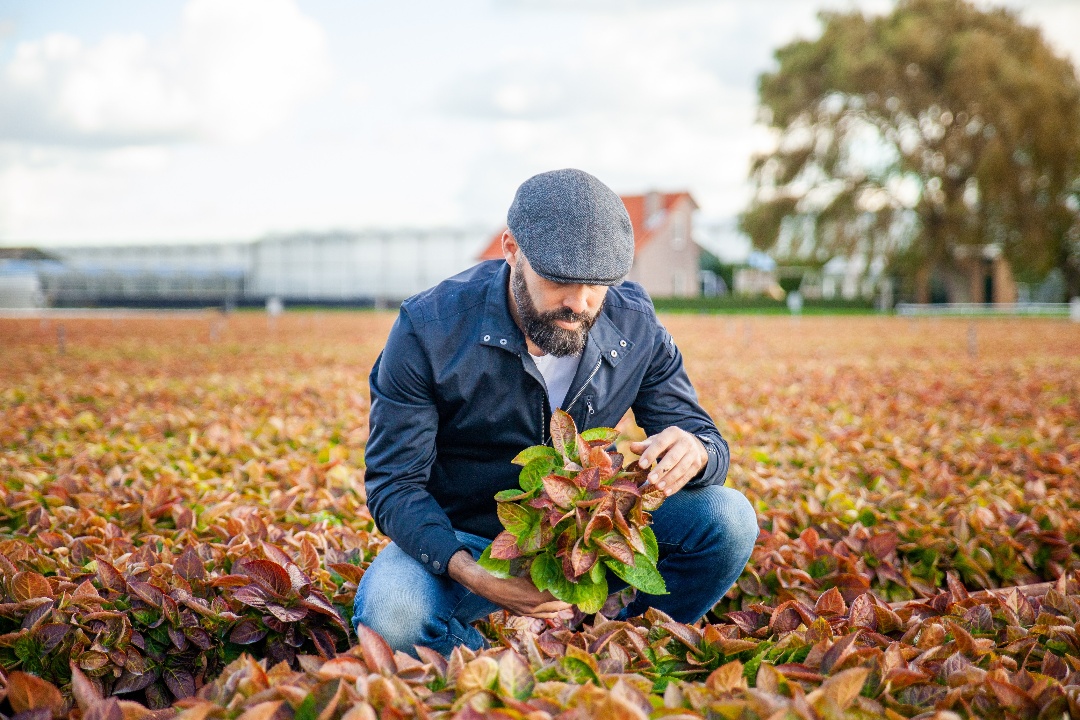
(577, 298)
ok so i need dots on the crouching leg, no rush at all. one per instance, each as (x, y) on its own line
(409, 606)
(705, 536)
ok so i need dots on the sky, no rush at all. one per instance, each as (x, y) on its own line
(199, 120)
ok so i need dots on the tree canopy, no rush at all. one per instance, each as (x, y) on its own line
(911, 135)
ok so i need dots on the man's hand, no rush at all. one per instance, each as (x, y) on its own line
(518, 595)
(675, 457)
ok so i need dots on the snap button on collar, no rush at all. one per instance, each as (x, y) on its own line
(614, 353)
(622, 343)
(486, 338)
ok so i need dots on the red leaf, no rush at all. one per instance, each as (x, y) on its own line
(598, 524)
(563, 433)
(286, 614)
(246, 632)
(599, 458)
(588, 478)
(505, 547)
(110, 577)
(582, 559)
(189, 566)
(562, 491)
(252, 595)
(377, 654)
(147, 593)
(180, 682)
(614, 545)
(269, 575)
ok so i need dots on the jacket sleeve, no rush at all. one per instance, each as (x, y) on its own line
(667, 398)
(400, 451)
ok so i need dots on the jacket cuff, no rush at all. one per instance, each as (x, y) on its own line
(435, 557)
(715, 471)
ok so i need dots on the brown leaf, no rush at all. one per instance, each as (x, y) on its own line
(862, 612)
(108, 709)
(727, 678)
(261, 711)
(842, 689)
(29, 585)
(29, 692)
(85, 692)
(830, 603)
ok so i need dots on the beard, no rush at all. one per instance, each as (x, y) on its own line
(541, 328)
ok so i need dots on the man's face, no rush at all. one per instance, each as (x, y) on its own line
(556, 317)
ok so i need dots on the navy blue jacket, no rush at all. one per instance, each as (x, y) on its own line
(455, 396)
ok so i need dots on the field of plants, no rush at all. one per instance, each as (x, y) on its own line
(183, 526)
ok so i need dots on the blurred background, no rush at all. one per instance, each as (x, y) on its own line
(193, 153)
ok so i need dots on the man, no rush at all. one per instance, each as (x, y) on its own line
(469, 377)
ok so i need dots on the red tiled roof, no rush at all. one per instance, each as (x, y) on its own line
(635, 207)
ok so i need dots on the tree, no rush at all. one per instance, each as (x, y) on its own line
(918, 135)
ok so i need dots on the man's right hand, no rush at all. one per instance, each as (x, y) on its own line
(518, 594)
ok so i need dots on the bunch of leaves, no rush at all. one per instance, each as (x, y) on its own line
(159, 629)
(578, 513)
(994, 656)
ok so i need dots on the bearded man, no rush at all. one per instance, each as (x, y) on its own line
(471, 372)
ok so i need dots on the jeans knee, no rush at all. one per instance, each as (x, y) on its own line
(403, 619)
(732, 521)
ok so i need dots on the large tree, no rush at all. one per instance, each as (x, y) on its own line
(908, 136)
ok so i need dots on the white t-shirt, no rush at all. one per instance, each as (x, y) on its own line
(558, 373)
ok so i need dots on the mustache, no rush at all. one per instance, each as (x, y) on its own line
(566, 315)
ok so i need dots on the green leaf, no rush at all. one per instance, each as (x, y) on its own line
(532, 475)
(652, 549)
(535, 452)
(517, 519)
(643, 575)
(590, 596)
(598, 573)
(307, 710)
(608, 435)
(546, 572)
(513, 494)
(535, 538)
(515, 678)
(498, 568)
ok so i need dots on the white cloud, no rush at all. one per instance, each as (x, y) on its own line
(233, 72)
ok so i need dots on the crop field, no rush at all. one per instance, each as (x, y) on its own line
(183, 527)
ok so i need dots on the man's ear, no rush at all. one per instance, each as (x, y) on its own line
(509, 248)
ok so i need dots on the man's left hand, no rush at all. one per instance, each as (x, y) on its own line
(675, 457)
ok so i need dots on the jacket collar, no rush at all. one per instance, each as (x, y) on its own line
(498, 329)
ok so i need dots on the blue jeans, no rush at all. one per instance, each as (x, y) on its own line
(705, 537)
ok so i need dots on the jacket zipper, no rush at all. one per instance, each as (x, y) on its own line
(543, 433)
(585, 384)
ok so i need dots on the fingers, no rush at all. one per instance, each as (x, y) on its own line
(681, 456)
(673, 480)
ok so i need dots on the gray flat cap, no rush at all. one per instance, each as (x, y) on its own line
(572, 228)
